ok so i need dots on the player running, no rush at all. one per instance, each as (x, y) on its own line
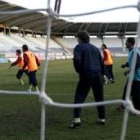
(20, 63)
(32, 62)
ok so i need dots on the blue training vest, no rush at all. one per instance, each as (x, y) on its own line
(137, 71)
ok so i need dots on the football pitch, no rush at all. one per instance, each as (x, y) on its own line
(20, 114)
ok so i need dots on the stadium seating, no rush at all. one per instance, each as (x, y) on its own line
(59, 48)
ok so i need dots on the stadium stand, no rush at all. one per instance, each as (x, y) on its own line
(96, 41)
(59, 48)
(116, 46)
(30, 29)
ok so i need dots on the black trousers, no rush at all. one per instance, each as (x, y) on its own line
(20, 73)
(135, 93)
(109, 71)
(32, 78)
(86, 82)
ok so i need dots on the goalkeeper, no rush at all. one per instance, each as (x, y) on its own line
(89, 65)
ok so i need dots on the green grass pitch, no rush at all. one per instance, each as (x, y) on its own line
(20, 114)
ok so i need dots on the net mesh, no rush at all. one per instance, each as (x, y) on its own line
(46, 100)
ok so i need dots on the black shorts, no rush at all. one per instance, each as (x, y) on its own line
(20, 73)
(32, 78)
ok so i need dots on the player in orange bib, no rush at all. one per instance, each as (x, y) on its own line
(20, 64)
(32, 62)
(108, 62)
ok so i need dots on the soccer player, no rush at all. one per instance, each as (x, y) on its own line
(32, 62)
(20, 63)
(135, 89)
(89, 65)
(108, 61)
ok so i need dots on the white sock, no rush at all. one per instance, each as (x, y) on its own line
(37, 89)
(101, 120)
(21, 81)
(30, 88)
(77, 120)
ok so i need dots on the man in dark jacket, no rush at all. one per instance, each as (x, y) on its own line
(89, 64)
